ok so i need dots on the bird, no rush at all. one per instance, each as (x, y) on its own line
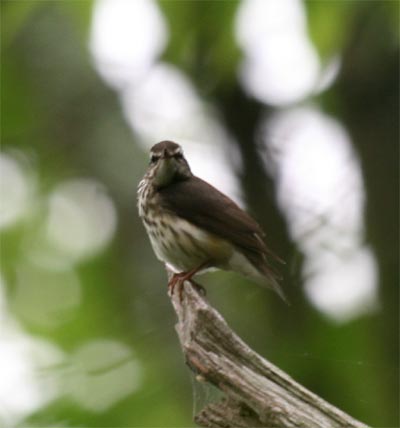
(194, 228)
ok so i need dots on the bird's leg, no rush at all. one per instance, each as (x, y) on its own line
(176, 277)
(181, 277)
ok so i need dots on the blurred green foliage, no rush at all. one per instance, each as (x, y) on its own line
(61, 122)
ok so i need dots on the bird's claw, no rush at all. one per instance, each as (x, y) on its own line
(178, 280)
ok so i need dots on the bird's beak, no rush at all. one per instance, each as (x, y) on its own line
(166, 155)
(165, 170)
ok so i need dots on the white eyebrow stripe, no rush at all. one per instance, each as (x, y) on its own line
(160, 153)
(177, 151)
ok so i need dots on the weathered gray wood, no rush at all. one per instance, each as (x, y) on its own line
(256, 393)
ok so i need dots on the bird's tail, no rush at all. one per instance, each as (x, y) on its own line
(270, 278)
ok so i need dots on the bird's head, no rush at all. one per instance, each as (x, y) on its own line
(167, 164)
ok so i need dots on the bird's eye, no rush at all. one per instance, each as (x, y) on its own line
(154, 158)
(178, 156)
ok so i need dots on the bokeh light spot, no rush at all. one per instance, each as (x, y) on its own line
(45, 297)
(27, 381)
(103, 373)
(81, 219)
(281, 65)
(15, 190)
(320, 190)
(345, 286)
(126, 37)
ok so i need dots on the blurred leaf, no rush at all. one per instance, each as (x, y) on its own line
(81, 14)
(323, 24)
(21, 115)
(330, 22)
(14, 14)
(202, 39)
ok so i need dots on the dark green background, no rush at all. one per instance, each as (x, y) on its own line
(68, 123)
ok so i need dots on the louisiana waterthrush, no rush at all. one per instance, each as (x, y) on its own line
(193, 227)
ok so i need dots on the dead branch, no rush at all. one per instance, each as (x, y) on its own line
(256, 393)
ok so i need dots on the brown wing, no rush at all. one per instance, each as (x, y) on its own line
(208, 208)
(203, 205)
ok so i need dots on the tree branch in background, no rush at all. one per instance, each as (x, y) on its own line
(256, 393)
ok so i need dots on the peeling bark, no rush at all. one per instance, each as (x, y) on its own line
(256, 393)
